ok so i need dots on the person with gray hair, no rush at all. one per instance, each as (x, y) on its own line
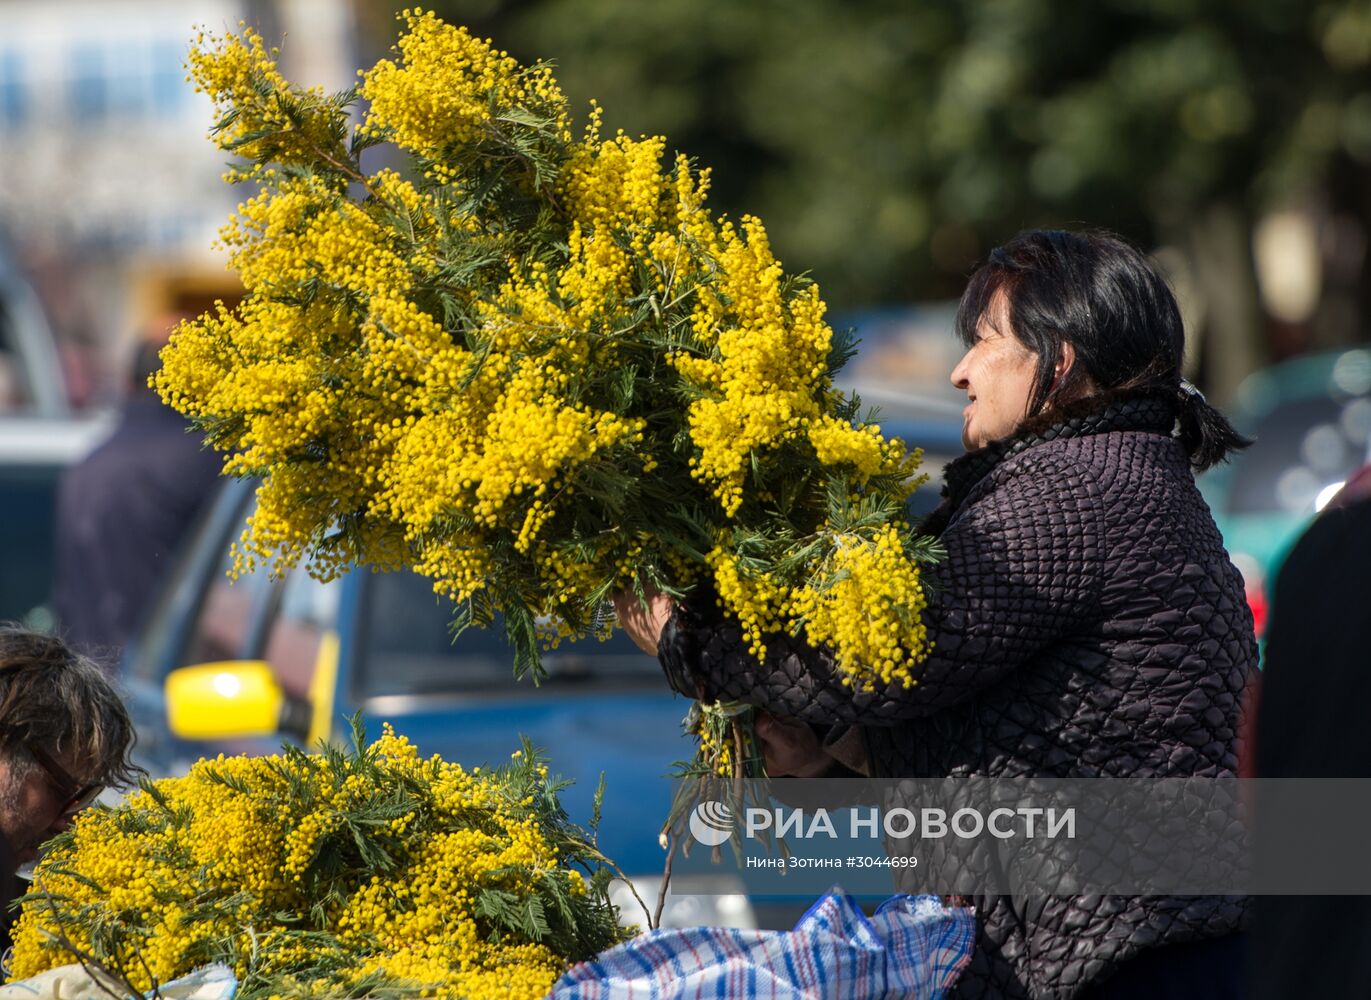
(64, 736)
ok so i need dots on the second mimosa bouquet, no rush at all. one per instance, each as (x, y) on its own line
(534, 366)
(361, 872)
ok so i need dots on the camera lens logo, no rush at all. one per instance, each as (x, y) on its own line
(711, 823)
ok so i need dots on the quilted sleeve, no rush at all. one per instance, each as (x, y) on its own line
(1024, 569)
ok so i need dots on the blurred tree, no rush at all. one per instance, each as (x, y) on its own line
(888, 144)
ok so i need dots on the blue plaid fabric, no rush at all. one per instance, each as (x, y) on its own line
(912, 947)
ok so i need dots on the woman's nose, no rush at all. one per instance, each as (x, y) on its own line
(959, 374)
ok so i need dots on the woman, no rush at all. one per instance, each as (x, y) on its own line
(1087, 621)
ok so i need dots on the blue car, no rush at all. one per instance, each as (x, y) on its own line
(291, 659)
(238, 667)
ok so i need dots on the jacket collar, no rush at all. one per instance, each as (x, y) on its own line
(1098, 414)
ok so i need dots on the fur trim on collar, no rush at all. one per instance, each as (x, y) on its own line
(1040, 424)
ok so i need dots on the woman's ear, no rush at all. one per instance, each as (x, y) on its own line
(1066, 357)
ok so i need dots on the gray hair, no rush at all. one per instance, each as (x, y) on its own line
(53, 698)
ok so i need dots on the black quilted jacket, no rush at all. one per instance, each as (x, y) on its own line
(1087, 623)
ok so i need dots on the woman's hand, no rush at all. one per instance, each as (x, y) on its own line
(643, 625)
(790, 748)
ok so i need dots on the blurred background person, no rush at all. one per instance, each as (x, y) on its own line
(1311, 723)
(123, 511)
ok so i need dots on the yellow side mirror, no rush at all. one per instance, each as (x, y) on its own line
(231, 699)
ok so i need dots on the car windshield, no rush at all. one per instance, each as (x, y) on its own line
(1304, 450)
(405, 646)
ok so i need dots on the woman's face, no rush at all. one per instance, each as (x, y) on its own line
(997, 374)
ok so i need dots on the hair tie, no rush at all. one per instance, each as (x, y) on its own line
(1188, 388)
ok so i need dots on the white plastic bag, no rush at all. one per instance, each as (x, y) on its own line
(74, 982)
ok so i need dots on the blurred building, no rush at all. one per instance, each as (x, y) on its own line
(113, 193)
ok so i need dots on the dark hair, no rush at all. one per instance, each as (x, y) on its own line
(57, 700)
(1102, 296)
